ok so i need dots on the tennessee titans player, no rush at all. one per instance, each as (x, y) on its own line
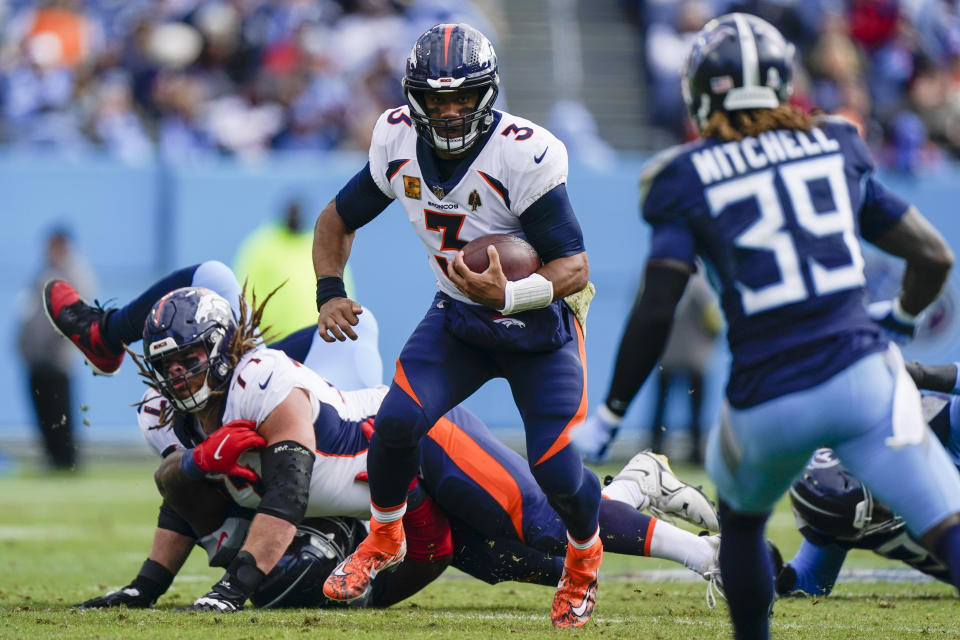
(773, 201)
(460, 170)
(836, 513)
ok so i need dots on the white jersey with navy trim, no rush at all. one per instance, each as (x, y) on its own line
(261, 381)
(518, 163)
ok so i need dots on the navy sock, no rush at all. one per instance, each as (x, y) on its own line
(747, 573)
(390, 469)
(125, 325)
(623, 528)
(948, 550)
(572, 490)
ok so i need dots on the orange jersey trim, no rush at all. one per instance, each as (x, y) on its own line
(341, 455)
(400, 379)
(482, 468)
(564, 438)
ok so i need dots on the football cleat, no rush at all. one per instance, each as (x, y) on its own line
(80, 323)
(711, 573)
(577, 591)
(665, 494)
(352, 579)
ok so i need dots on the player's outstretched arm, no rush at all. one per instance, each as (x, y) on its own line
(332, 242)
(168, 553)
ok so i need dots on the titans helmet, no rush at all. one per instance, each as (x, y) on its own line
(297, 579)
(179, 321)
(737, 61)
(446, 58)
(829, 502)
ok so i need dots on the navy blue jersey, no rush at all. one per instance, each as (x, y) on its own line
(776, 219)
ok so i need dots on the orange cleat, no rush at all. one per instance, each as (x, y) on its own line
(80, 323)
(380, 551)
(577, 592)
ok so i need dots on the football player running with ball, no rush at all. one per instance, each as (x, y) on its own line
(774, 202)
(462, 170)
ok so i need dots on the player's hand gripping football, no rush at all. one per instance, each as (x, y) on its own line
(337, 318)
(485, 288)
(220, 451)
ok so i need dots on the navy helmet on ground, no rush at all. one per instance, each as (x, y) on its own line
(737, 61)
(828, 501)
(451, 57)
(297, 579)
(180, 321)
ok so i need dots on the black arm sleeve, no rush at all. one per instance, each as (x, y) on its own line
(645, 335)
(286, 468)
(361, 200)
(933, 377)
(551, 227)
(171, 520)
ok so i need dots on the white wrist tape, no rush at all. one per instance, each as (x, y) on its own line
(532, 292)
(900, 315)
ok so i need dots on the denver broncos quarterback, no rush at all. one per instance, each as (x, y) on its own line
(474, 503)
(461, 169)
(773, 202)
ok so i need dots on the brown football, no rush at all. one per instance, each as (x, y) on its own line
(517, 256)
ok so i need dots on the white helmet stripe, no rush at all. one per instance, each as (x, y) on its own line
(748, 52)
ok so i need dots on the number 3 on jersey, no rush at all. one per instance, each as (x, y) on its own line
(448, 224)
(769, 233)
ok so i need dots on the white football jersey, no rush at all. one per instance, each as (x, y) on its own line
(262, 380)
(519, 162)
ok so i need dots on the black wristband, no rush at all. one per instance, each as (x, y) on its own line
(243, 573)
(153, 580)
(329, 287)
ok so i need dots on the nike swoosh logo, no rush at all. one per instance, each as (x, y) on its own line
(263, 385)
(538, 158)
(339, 571)
(223, 535)
(216, 454)
(581, 608)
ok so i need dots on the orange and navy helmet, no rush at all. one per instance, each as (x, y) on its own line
(448, 58)
(180, 321)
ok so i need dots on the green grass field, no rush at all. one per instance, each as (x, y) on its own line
(66, 538)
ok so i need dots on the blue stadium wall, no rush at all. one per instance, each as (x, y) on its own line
(135, 223)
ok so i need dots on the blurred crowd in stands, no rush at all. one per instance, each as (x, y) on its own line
(893, 67)
(197, 77)
(191, 78)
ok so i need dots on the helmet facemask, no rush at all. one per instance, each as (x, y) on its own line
(213, 368)
(452, 135)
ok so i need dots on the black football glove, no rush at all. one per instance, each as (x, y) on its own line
(237, 584)
(152, 582)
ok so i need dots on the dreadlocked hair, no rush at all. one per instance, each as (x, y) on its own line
(247, 337)
(735, 125)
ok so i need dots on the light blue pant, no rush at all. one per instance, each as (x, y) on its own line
(757, 453)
